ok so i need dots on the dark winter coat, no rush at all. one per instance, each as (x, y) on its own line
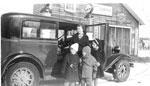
(71, 74)
(99, 55)
(88, 63)
(84, 41)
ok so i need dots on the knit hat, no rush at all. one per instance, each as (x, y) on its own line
(75, 46)
(99, 43)
(87, 50)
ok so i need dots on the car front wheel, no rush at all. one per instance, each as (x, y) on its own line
(122, 71)
(22, 74)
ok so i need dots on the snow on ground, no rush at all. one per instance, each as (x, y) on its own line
(144, 53)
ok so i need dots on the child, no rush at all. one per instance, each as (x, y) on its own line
(98, 53)
(70, 66)
(89, 64)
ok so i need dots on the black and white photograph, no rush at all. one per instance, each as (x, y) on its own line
(75, 43)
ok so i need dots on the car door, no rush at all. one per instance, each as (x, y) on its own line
(39, 38)
(101, 32)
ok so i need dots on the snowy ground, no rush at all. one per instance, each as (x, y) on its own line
(139, 75)
(144, 53)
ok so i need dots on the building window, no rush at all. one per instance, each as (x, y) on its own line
(70, 8)
(38, 30)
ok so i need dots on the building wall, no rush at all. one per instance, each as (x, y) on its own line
(58, 10)
(120, 17)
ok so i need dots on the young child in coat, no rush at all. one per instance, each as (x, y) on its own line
(99, 54)
(89, 64)
(70, 66)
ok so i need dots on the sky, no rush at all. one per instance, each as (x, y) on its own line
(140, 7)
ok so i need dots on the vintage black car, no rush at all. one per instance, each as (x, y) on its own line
(31, 43)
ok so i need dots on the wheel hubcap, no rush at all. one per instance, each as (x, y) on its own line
(22, 77)
(122, 70)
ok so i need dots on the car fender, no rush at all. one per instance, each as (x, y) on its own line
(19, 57)
(115, 58)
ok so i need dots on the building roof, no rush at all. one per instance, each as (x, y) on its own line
(133, 14)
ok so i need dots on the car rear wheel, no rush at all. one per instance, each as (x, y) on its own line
(22, 74)
(122, 71)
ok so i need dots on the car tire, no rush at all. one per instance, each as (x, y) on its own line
(22, 74)
(122, 71)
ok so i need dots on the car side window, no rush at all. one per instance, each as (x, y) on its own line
(47, 30)
(30, 29)
(38, 30)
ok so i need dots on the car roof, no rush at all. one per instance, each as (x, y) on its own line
(63, 23)
(47, 18)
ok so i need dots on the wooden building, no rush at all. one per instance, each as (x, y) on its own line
(123, 22)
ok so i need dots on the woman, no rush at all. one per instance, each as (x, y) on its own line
(81, 38)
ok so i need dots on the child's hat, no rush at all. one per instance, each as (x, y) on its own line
(87, 50)
(75, 46)
(96, 41)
